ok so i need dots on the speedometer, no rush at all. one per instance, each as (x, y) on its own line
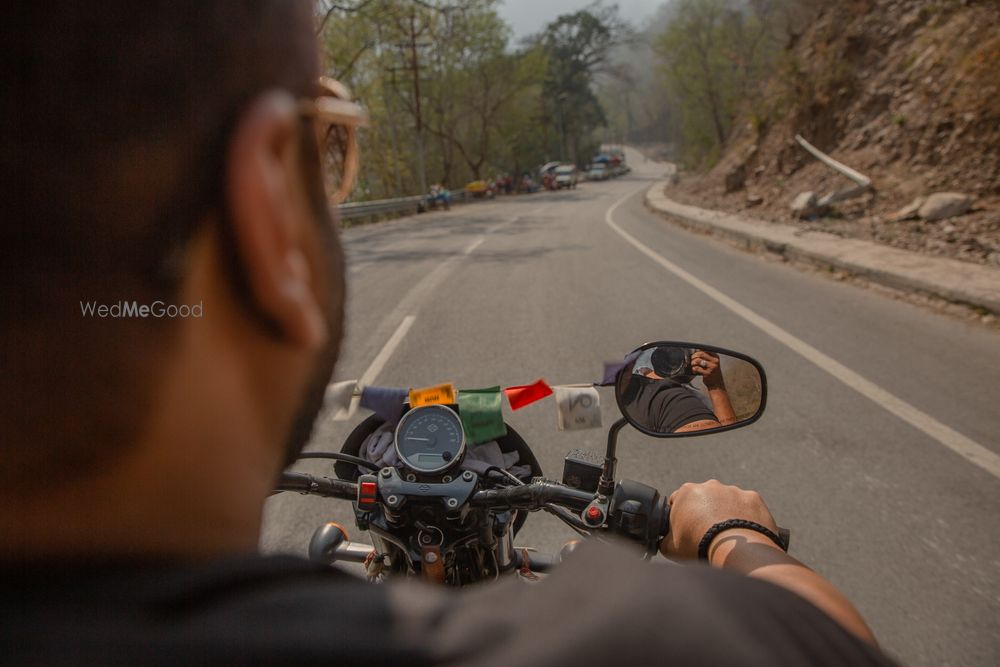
(430, 439)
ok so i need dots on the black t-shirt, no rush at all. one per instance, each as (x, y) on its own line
(600, 607)
(665, 406)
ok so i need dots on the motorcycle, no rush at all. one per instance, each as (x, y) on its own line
(436, 510)
(438, 196)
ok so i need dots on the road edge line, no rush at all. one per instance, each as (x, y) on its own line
(958, 443)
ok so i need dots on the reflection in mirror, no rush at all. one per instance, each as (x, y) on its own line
(668, 389)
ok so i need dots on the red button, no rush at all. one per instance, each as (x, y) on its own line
(594, 513)
(368, 489)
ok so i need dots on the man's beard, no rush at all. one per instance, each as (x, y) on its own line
(312, 401)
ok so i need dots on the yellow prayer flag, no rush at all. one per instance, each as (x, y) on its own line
(440, 393)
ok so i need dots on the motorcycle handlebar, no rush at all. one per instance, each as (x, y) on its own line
(531, 496)
(636, 512)
(317, 486)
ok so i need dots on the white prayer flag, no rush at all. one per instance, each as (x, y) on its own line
(579, 407)
(338, 399)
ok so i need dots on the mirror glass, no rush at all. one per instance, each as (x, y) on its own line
(670, 389)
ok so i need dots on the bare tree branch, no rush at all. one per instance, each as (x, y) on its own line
(329, 8)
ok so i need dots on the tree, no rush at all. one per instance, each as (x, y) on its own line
(699, 71)
(449, 97)
(715, 55)
(577, 46)
(476, 83)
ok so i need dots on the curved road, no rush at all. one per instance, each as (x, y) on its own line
(546, 286)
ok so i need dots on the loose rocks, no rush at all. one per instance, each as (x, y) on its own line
(941, 205)
(805, 205)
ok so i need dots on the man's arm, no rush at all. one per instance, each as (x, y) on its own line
(711, 373)
(697, 507)
(699, 425)
(721, 405)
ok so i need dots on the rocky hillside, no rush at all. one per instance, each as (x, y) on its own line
(906, 92)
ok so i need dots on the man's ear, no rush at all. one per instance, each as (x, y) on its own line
(269, 226)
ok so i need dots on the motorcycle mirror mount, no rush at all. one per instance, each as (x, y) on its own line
(606, 486)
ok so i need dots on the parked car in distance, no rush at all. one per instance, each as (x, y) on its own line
(566, 176)
(598, 172)
(480, 189)
(619, 169)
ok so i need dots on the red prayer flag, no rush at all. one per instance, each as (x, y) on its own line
(523, 395)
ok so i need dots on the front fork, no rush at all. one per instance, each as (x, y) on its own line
(331, 544)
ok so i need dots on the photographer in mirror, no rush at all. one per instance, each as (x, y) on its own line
(660, 395)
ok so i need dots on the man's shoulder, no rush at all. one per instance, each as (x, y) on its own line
(602, 605)
(605, 605)
(253, 609)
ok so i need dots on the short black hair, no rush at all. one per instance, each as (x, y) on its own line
(115, 122)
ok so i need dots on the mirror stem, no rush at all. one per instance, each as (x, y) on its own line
(607, 484)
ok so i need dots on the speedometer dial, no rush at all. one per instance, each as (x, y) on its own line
(430, 439)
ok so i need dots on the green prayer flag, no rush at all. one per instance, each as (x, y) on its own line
(482, 417)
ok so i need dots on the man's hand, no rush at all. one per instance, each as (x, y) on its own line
(694, 508)
(707, 366)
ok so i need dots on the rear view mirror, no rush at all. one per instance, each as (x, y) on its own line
(671, 389)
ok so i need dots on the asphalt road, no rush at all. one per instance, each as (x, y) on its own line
(542, 286)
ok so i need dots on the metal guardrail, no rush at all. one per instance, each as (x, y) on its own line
(365, 209)
(399, 205)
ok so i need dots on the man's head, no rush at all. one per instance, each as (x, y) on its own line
(157, 153)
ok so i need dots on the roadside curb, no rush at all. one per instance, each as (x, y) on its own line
(959, 282)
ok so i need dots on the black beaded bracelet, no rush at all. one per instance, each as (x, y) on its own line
(712, 532)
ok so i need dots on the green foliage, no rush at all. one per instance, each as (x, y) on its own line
(440, 80)
(714, 59)
(577, 46)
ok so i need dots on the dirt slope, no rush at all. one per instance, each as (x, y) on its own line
(905, 91)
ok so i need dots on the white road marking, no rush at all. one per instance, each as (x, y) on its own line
(472, 246)
(412, 298)
(380, 360)
(378, 363)
(962, 445)
(353, 268)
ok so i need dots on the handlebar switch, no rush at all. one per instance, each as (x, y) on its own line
(367, 493)
(594, 515)
(639, 513)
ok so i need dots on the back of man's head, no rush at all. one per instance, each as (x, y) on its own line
(115, 120)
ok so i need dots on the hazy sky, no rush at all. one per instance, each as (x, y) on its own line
(529, 16)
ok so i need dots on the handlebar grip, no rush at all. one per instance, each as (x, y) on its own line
(639, 513)
(664, 523)
(532, 496)
(317, 486)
